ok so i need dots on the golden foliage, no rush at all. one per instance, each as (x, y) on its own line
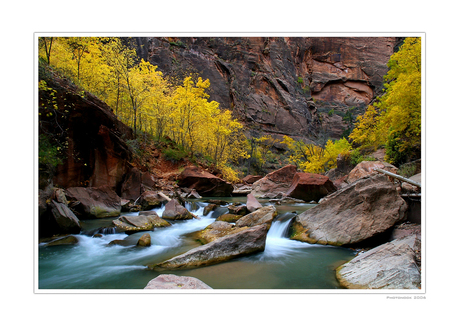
(395, 120)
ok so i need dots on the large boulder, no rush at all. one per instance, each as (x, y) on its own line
(366, 168)
(65, 218)
(389, 266)
(151, 199)
(250, 179)
(274, 184)
(248, 241)
(175, 211)
(135, 182)
(145, 221)
(217, 230)
(205, 183)
(355, 213)
(264, 215)
(309, 186)
(94, 202)
(173, 282)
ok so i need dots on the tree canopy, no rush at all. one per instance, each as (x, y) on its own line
(143, 99)
(394, 121)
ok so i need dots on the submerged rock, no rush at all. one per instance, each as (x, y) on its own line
(69, 240)
(248, 241)
(173, 282)
(388, 266)
(145, 221)
(144, 240)
(209, 208)
(357, 212)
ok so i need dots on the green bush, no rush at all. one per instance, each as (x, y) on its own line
(357, 157)
(175, 155)
(49, 154)
(407, 170)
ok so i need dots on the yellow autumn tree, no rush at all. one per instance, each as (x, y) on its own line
(395, 119)
(141, 98)
(315, 159)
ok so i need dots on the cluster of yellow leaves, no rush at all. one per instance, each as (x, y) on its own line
(315, 159)
(397, 114)
(146, 101)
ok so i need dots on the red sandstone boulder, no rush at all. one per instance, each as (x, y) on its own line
(309, 186)
(366, 168)
(205, 183)
(252, 203)
(250, 179)
(175, 211)
(135, 183)
(274, 184)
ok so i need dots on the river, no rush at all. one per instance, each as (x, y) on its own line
(93, 264)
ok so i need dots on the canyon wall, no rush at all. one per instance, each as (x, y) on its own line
(297, 86)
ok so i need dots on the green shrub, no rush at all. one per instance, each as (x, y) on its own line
(49, 154)
(407, 170)
(175, 155)
(357, 157)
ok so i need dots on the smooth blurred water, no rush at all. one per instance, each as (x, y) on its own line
(94, 264)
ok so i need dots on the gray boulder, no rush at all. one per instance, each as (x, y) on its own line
(388, 266)
(145, 221)
(367, 207)
(68, 240)
(248, 241)
(94, 202)
(264, 215)
(174, 282)
(65, 218)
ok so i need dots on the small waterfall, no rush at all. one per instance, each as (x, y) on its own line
(278, 244)
(107, 230)
(280, 227)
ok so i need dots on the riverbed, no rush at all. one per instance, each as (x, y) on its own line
(94, 264)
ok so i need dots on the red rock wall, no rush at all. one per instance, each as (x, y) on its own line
(273, 82)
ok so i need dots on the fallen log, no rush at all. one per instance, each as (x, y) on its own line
(396, 176)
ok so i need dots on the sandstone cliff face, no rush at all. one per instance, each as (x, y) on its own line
(284, 85)
(95, 152)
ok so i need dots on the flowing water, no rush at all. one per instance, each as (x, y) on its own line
(94, 264)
